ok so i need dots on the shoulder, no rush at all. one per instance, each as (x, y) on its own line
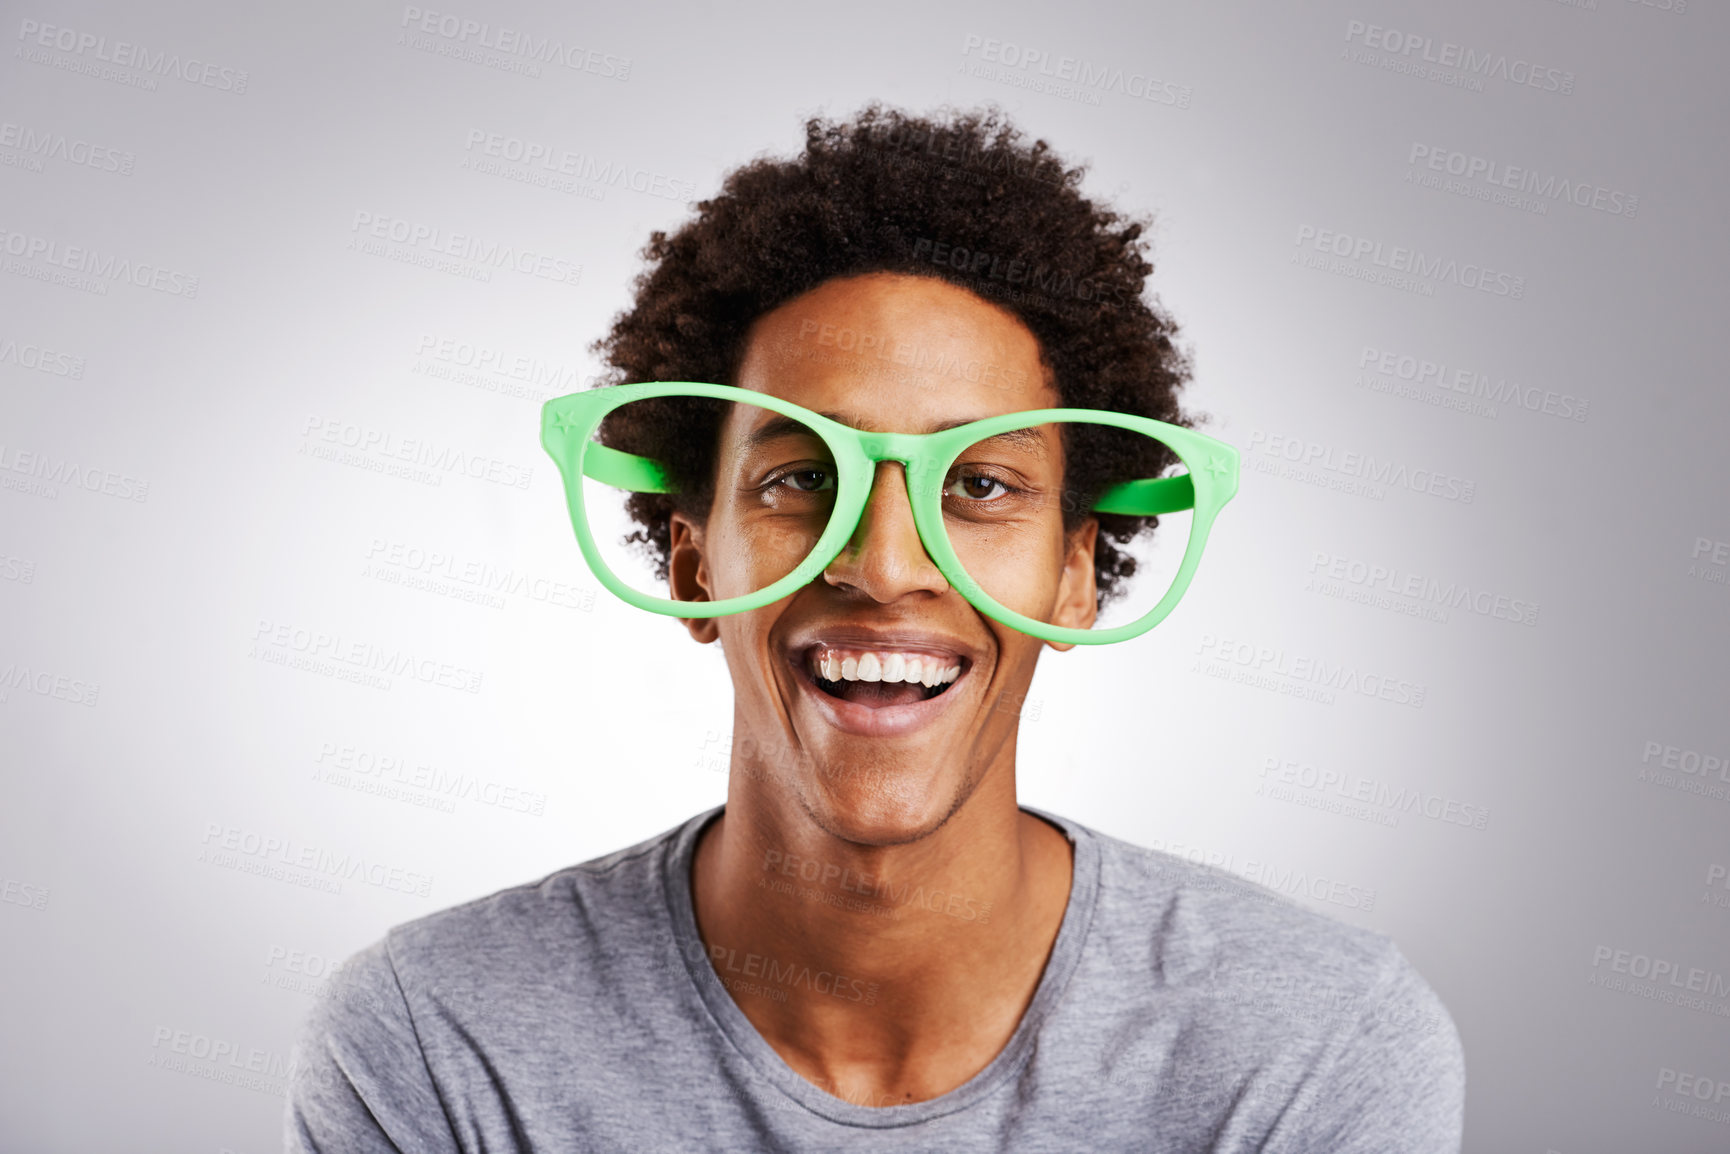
(1349, 1028)
(1202, 917)
(437, 1000)
(590, 905)
(577, 931)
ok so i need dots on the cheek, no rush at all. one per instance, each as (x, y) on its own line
(751, 553)
(1017, 658)
(751, 661)
(1021, 568)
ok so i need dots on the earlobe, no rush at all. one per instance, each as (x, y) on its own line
(688, 574)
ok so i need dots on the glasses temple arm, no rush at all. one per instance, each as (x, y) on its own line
(624, 470)
(1148, 497)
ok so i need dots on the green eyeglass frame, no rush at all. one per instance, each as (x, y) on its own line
(569, 422)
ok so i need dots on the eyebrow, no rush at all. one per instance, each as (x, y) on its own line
(781, 425)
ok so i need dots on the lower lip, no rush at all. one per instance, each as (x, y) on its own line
(883, 721)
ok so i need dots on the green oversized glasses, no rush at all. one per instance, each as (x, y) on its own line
(790, 487)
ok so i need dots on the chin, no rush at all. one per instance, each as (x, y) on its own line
(883, 808)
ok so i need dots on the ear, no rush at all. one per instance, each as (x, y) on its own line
(688, 574)
(1077, 597)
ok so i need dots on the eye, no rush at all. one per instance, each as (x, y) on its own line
(806, 480)
(976, 487)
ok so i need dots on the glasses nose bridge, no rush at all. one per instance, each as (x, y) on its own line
(905, 448)
(902, 447)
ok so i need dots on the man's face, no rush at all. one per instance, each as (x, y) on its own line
(878, 762)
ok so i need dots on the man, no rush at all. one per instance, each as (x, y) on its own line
(871, 946)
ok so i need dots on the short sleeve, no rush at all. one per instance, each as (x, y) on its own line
(1396, 1082)
(358, 1080)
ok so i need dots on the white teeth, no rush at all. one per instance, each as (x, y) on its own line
(914, 669)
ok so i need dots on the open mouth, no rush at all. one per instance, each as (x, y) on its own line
(879, 693)
(879, 680)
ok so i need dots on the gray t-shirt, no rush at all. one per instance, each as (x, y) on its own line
(1182, 1009)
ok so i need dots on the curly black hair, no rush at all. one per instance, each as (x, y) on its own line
(958, 197)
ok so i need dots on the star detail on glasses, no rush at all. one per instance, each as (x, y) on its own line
(1217, 467)
(563, 423)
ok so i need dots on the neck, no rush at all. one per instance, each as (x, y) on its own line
(882, 973)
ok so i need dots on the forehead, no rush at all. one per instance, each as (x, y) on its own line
(894, 353)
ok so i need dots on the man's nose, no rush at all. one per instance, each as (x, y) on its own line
(885, 557)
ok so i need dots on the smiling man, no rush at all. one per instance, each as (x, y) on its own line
(872, 946)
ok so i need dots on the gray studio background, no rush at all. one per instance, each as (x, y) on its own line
(1464, 322)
